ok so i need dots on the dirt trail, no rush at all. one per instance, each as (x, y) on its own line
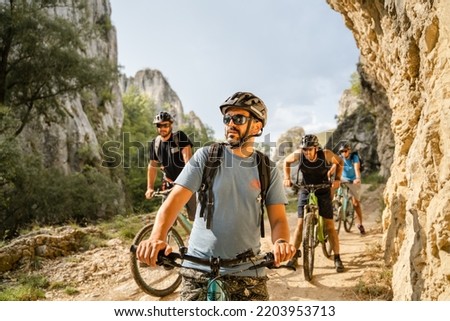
(115, 283)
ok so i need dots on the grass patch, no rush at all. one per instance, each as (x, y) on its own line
(123, 227)
(33, 288)
(68, 289)
(374, 179)
(375, 285)
(29, 288)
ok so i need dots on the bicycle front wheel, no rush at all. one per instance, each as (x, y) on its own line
(309, 245)
(327, 245)
(349, 216)
(337, 215)
(156, 281)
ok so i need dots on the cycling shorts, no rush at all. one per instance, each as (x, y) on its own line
(323, 199)
(239, 288)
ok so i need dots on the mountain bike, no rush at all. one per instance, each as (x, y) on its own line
(314, 229)
(343, 210)
(216, 288)
(160, 281)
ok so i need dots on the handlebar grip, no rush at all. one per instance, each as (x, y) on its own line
(168, 261)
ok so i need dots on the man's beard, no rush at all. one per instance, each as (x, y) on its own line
(233, 138)
(164, 135)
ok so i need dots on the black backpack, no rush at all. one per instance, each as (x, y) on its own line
(361, 162)
(205, 194)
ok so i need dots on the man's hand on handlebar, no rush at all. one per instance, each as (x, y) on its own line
(287, 182)
(147, 251)
(283, 251)
(149, 193)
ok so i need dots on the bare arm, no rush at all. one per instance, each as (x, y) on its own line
(338, 165)
(288, 161)
(357, 167)
(147, 250)
(187, 153)
(282, 249)
(152, 171)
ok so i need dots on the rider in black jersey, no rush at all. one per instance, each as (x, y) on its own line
(316, 166)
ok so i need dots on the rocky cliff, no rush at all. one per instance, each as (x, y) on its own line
(154, 85)
(356, 121)
(70, 143)
(404, 58)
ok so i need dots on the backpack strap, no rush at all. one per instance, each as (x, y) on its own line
(174, 149)
(206, 196)
(176, 140)
(264, 179)
(156, 146)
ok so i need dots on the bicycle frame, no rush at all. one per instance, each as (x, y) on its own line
(181, 219)
(314, 210)
(346, 206)
(314, 230)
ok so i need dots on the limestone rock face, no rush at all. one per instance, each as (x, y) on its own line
(357, 126)
(69, 143)
(153, 84)
(404, 58)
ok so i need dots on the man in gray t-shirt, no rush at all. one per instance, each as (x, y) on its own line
(235, 225)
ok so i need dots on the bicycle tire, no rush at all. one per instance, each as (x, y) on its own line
(327, 245)
(337, 215)
(309, 245)
(156, 281)
(349, 216)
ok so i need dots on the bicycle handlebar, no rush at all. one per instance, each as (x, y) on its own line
(170, 261)
(162, 193)
(312, 187)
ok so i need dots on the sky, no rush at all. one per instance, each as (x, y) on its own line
(296, 55)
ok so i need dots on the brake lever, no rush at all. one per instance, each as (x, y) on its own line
(269, 263)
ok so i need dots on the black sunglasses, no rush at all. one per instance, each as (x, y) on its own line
(237, 119)
(162, 125)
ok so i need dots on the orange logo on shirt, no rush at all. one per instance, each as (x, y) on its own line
(255, 184)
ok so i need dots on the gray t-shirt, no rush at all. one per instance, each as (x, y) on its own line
(235, 225)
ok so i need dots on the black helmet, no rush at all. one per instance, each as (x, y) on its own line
(344, 146)
(247, 101)
(309, 141)
(162, 116)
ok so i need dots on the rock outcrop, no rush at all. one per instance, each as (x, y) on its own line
(153, 84)
(357, 126)
(70, 143)
(404, 58)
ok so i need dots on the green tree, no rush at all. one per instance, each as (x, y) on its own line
(137, 132)
(44, 59)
